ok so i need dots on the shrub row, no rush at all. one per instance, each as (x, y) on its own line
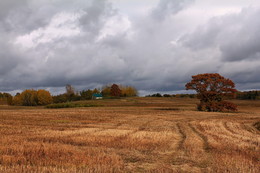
(70, 105)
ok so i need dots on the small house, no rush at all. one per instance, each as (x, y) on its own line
(97, 96)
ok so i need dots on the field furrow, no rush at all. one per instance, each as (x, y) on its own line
(183, 137)
(221, 130)
(204, 138)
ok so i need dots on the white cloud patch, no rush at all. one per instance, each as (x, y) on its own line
(62, 25)
(115, 25)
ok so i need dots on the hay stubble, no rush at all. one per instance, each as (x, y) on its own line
(137, 135)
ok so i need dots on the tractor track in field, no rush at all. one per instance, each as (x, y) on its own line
(250, 138)
(204, 139)
(229, 129)
(239, 134)
(224, 132)
(183, 137)
(190, 138)
(188, 134)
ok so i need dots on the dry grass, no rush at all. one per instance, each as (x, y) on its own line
(130, 135)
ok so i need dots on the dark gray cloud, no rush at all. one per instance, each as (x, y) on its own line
(236, 36)
(243, 41)
(7, 6)
(90, 43)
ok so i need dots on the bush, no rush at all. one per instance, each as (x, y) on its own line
(6, 98)
(60, 98)
(70, 105)
(222, 106)
(86, 95)
(166, 95)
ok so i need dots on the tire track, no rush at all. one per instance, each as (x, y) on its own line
(183, 137)
(222, 133)
(228, 128)
(249, 138)
(191, 137)
(204, 139)
(192, 148)
(240, 128)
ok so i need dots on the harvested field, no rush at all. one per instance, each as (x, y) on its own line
(130, 135)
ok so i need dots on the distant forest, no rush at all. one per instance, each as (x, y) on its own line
(31, 97)
(241, 95)
(248, 95)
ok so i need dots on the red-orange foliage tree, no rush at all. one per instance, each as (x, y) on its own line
(211, 89)
(115, 90)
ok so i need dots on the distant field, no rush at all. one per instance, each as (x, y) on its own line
(130, 135)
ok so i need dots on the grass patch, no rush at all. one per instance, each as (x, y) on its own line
(70, 105)
(168, 109)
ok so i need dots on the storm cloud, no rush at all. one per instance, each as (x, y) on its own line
(48, 44)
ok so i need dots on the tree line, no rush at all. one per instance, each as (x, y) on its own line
(31, 97)
(248, 95)
(240, 95)
(172, 95)
(107, 91)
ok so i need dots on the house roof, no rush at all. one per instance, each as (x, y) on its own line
(97, 95)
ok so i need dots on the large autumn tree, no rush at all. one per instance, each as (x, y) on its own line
(211, 89)
(115, 91)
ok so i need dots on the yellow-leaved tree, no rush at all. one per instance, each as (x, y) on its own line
(128, 91)
(32, 97)
(44, 97)
(29, 97)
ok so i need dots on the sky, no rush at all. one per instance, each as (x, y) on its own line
(153, 45)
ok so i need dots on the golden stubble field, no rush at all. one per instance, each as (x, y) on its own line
(130, 135)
